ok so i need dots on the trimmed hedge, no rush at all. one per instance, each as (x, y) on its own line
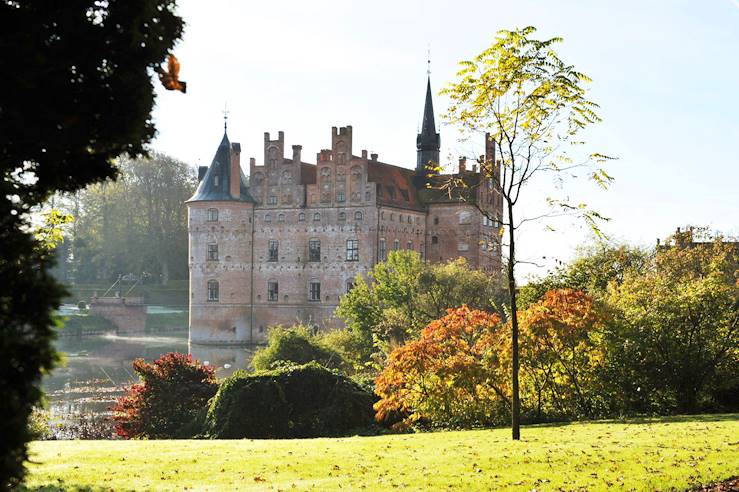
(292, 402)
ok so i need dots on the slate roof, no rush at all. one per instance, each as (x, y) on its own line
(216, 184)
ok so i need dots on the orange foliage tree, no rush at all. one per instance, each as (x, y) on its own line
(561, 354)
(453, 375)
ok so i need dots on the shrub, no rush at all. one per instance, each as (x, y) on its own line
(294, 345)
(166, 403)
(290, 402)
(452, 376)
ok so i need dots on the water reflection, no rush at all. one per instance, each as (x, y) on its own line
(96, 368)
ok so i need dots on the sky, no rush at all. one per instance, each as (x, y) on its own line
(665, 74)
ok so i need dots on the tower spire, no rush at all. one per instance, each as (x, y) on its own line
(428, 142)
(225, 116)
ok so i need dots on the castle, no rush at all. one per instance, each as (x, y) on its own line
(286, 244)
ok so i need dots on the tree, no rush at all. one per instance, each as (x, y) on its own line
(451, 376)
(166, 404)
(562, 353)
(530, 104)
(76, 94)
(294, 345)
(404, 294)
(596, 267)
(136, 224)
(673, 346)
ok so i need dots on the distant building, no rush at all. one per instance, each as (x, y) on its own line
(287, 244)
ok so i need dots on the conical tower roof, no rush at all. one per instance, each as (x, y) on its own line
(216, 184)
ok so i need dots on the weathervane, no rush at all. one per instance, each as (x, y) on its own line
(428, 60)
(225, 116)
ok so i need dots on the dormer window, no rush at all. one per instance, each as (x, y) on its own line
(215, 180)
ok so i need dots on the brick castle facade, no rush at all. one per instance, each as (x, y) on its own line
(286, 244)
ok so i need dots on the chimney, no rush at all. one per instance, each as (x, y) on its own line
(235, 179)
(296, 153)
(201, 172)
(462, 165)
(373, 157)
(364, 154)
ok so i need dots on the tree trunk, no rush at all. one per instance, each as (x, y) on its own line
(515, 402)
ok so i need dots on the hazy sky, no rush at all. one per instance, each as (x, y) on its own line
(666, 74)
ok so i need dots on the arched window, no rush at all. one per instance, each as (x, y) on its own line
(316, 217)
(342, 216)
(212, 290)
(396, 245)
(436, 220)
(434, 240)
(212, 215)
(267, 218)
(301, 217)
(281, 218)
(358, 215)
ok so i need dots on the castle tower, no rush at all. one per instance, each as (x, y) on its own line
(220, 224)
(428, 142)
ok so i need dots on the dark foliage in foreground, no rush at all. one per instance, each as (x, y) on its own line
(76, 93)
(294, 402)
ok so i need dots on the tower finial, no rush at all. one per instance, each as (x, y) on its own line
(428, 59)
(225, 116)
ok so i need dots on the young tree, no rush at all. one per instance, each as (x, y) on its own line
(532, 105)
(77, 93)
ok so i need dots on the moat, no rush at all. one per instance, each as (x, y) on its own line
(95, 369)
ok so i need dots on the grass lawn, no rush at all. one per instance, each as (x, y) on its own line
(650, 454)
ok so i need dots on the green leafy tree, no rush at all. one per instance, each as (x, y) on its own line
(136, 224)
(596, 266)
(533, 105)
(76, 94)
(295, 345)
(675, 342)
(402, 295)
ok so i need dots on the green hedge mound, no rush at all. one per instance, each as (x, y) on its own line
(292, 402)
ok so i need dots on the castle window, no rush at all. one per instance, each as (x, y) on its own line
(358, 215)
(400, 218)
(383, 250)
(272, 291)
(352, 250)
(314, 250)
(212, 290)
(301, 217)
(463, 247)
(316, 217)
(342, 158)
(396, 245)
(281, 218)
(349, 285)
(212, 215)
(342, 216)
(409, 245)
(267, 218)
(272, 200)
(434, 240)
(436, 221)
(212, 252)
(422, 251)
(392, 217)
(215, 180)
(272, 250)
(314, 293)
(465, 217)
(339, 196)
